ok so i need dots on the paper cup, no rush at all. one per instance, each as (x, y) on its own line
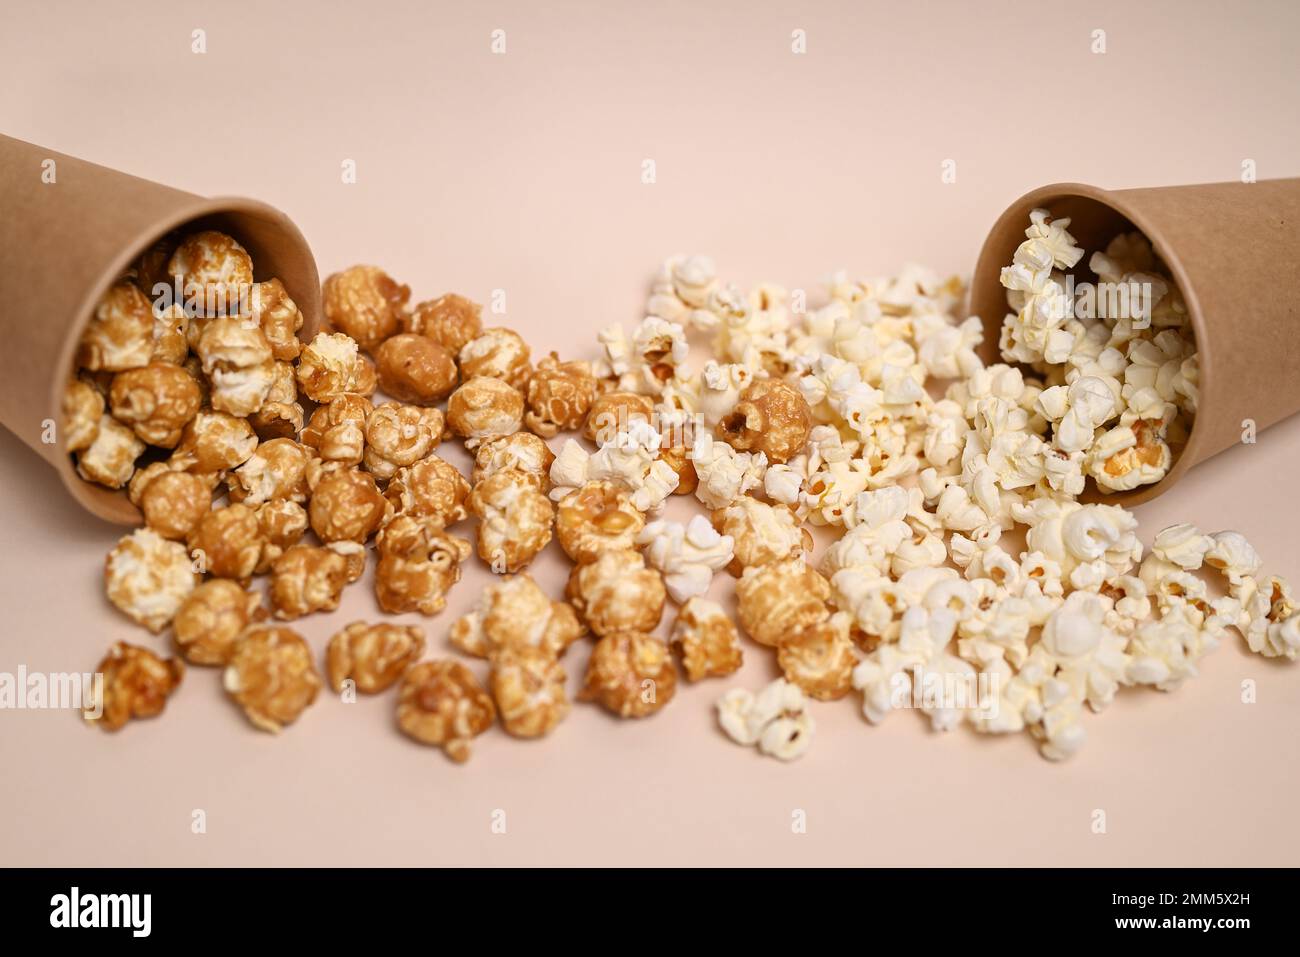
(70, 229)
(1234, 251)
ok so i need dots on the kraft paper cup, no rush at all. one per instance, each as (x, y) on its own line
(62, 244)
(1234, 251)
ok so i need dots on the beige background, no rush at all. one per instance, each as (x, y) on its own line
(522, 172)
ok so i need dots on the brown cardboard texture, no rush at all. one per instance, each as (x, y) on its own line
(1233, 249)
(70, 229)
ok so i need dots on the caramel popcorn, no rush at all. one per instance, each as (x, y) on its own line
(707, 640)
(212, 267)
(771, 417)
(151, 267)
(518, 452)
(271, 676)
(617, 592)
(337, 431)
(630, 674)
(282, 524)
(777, 599)
(819, 658)
(211, 619)
(399, 435)
(611, 414)
(450, 320)
(761, 533)
(306, 579)
(418, 564)
(171, 327)
(119, 335)
(330, 365)
(365, 303)
(156, 401)
(372, 656)
(110, 458)
(497, 353)
(215, 442)
(528, 686)
(347, 506)
(515, 520)
(414, 368)
(137, 684)
(82, 409)
(431, 488)
(440, 703)
(147, 578)
(174, 502)
(281, 414)
(239, 364)
(484, 408)
(676, 454)
(515, 613)
(597, 517)
(278, 317)
(559, 395)
(227, 542)
(277, 470)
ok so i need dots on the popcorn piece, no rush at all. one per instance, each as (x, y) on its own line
(630, 458)
(271, 676)
(174, 502)
(215, 442)
(780, 598)
(282, 524)
(281, 415)
(771, 417)
(707, 640)
(612, 414)
(559, 395)
(515, 613)
(306, 579)
(418, 565)
(1128, 456)
(399, 435)
(774, 719)
(616, 592)
(330, 365)
(760, 533)
(239, 363)
(724, 474)
(213, 271)
(277, 470)
(515, 520)
(484, 407)
(347, 506)
(597, 517)
(528, 686)
(136, 684)
(278, 317)
(119, 335)
(440, 703)
(630, 674)
(1183, 545)
(415, 369)
(372, 656)
(110, 458)
(211, 619)
(819, 658)
(156, 401)
(337, 430)
(147, 578)
(497, 353)
(450, 320)
(431, 488)
(227, 542)
(687, 555)
(1235, 557)
(519, 452)
(365, 303)
(82, 409)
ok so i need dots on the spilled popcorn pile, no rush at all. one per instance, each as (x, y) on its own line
(961, 551)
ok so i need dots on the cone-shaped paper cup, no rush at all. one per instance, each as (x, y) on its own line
(1234, 251)
(70, 228)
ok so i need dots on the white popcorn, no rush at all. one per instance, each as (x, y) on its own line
(724, 474)
(630, 457)
(775, 719)
(720, 387)
(1232, 555)
(687, 555)
(646, 360)
(1166, 651)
